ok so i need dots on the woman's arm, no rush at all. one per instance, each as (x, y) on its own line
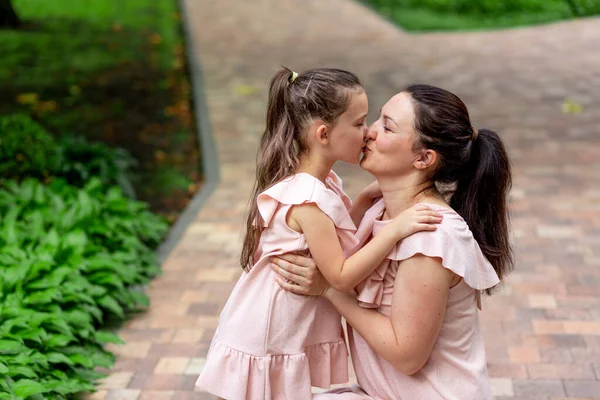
(418, 307)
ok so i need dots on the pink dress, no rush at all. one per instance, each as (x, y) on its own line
(456, 369)
(270, 343)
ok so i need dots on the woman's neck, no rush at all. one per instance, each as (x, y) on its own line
(399, 195)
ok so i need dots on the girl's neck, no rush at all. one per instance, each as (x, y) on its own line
(400, 195)
(315, 166)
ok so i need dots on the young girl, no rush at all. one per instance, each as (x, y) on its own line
(272, 344)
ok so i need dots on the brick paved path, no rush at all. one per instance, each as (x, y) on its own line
(543, 330)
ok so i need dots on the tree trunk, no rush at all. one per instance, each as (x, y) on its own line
(8, 16)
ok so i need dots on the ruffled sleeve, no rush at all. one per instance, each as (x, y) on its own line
(452, 242)
(335, 183)
(304, 188)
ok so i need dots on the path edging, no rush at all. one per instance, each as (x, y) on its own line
(207, 147)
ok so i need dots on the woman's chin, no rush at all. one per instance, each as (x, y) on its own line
(364, 163)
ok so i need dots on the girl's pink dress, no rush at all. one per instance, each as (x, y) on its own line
(456, 369)
(270, 343)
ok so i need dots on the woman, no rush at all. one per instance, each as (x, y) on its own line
(414, 328)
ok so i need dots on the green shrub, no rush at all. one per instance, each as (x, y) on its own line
(82, 160)
(27, 150)
(71, 260)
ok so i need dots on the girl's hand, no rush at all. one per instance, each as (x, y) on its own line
(299, 275)
(415, 219)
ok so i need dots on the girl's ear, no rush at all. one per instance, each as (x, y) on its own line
(322, 134)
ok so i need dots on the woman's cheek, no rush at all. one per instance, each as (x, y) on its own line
(384, 144)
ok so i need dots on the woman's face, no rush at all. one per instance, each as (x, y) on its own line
(390, 139)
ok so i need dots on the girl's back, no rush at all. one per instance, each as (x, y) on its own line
(273, 344)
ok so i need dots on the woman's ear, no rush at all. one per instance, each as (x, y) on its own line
(425, 159)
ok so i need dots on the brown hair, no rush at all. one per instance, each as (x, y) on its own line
(474, 164)
(320, 93)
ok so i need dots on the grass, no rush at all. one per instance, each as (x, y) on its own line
(114, 72)
(463, 15)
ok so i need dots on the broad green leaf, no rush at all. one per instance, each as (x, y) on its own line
(43, 296)
(37, 268)
(18, 322)
(141, 299)
(22, 370)
(111, 304)
(59, 325)
(52, 239)
(27, 189)
(11, 347)
(105, 279)
(39, 194)
(9, 227)
(26, 387)
(78, 319)
(5, 396)
(58, 340)
(37, 335)
(108, 337)
(57, 358)
(76, 239)
(103, 360)
(3, 368)
(84, 204)
(82, 360)
(53, 279)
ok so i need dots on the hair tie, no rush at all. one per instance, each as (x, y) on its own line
(475, 134)
(293, 77)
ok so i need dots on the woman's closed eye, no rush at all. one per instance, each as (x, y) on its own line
(386, 129)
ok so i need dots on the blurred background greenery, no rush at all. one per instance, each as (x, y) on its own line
(451, 15)
(112, 72)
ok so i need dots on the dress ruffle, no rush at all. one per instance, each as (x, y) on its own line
(234, 375)
(452, 242)
(304, 188)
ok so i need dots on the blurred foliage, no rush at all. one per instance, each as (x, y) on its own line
(423, 15)
(71, 261)
(113, 72)
(28, 150)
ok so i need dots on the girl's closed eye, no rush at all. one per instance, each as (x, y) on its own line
(386, 129)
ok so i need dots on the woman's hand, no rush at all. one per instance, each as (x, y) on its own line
(299, 275)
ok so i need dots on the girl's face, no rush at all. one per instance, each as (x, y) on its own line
(347, 137)
(390, 139)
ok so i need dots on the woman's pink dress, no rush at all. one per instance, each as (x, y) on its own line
(456, 369)
(270, 343)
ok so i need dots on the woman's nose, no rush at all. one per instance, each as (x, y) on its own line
(371, 133)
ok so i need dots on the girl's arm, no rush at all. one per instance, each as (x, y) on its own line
(323, 243)
(364, 201)
(418, 307)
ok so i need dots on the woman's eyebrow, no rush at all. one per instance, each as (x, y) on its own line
(390, 118)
